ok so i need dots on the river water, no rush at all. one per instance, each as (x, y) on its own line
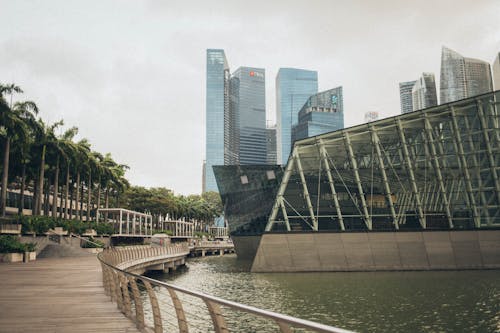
(439, 301)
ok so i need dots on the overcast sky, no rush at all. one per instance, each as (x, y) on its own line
(131, 74)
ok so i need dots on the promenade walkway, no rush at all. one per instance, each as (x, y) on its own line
(57, 295)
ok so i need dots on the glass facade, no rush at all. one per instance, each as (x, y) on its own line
(293, 88)
(321, 113)
(424, 92)
(248, 193)
(405, 96)
(496, 72)
(248, 103)
(462, 77)
(437, 168)
(217, 105)
(271, 145)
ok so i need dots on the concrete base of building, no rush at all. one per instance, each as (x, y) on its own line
(246, 246)
(378, 251)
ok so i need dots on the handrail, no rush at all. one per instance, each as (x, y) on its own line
(87, 240)
(119, 282)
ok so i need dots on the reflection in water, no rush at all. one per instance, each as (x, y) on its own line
(441, 301)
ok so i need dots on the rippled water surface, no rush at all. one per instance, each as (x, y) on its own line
(441, 301)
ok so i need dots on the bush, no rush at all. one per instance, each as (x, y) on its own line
(98, 244)
(42, 224)
(102, 228)
(10, 244)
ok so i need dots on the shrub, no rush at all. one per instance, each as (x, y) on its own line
(10, 244)
(98, 244)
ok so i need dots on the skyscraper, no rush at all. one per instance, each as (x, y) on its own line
(321, 113)
(462, 77)
(496, 71)
(293, 88)
(424, 92)
(405, 96)
(271, 145)
(217, 106)
(248, 103)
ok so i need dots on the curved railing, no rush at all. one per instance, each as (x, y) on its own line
(162, 306)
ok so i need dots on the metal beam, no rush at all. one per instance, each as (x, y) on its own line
(324, 157)
(278, 203)
(437, 168)
(459, 149)
(367, 218)
(409, 166)
(298, 163)
(376, 143)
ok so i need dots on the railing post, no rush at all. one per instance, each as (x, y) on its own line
(127, 307)
(155, 307)
(139, 310)
(217, 317)
(179, 311)
(284, 327)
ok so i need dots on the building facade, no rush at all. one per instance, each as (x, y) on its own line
(322, 113)
(248, 96)
(424, 92)
(462, 77)
(405, 96)
(496, 72)
(217, 106)
(371, 116)
(293, 88)
(271, 145)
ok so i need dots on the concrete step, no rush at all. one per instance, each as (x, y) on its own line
(62, 250)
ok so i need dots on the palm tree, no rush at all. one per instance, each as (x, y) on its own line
(12, 125)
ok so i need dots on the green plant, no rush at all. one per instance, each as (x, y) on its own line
(30, 247)
(102, 228)
(10, 244)
(95, 244)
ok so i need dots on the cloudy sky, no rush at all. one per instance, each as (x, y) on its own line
(131, 74)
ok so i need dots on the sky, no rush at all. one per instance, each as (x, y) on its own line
(131, 74)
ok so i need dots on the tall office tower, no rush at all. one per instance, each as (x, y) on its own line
(405, 96)
(217, 106)
(462, 77)
(248, 96)
(371, 116)
(271, 145)
(321, 113)
(293, 88)
(496, 71)
(424, 92)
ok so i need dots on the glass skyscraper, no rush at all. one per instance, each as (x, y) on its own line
(462, 77)
(405, 96)
(217, 107)
(271, 145)
(424, 92)
(496, 72)
(248, 103)
(322, 113)
(293, 88)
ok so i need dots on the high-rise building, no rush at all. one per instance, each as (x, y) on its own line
(271, 145)
(248, 96)
(293, 88)
(462, 77)
(405, 96)
(217, 106)
(424, 92)
(496, 71)
(371, 116)
(321, 113)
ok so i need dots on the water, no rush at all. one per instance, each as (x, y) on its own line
(440, 301)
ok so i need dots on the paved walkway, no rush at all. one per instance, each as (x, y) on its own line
(57, 295)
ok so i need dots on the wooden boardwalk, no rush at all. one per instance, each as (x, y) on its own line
(57, 295)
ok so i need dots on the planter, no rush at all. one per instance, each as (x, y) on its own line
(93, 250)
(12, 257)
(13, 229)
(29, 256)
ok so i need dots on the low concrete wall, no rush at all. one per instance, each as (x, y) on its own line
(372, 251)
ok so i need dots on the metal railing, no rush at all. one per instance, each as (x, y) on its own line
(162, 306)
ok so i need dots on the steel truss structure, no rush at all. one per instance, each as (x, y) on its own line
(435, 168)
